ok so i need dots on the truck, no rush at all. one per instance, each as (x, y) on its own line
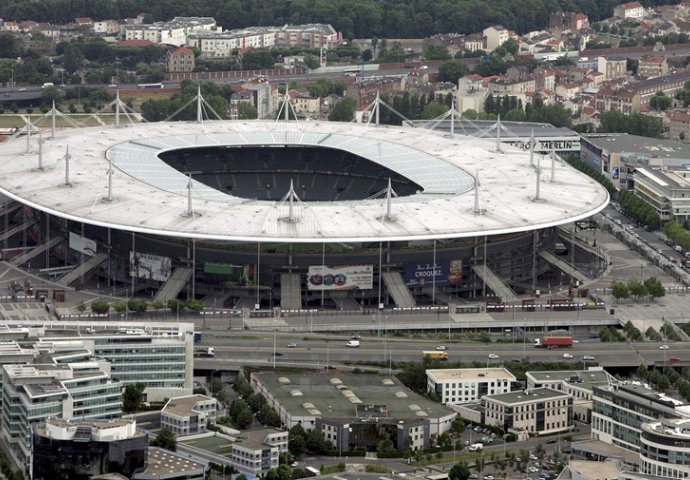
(204, 352)
(352, 344)
(554, 342)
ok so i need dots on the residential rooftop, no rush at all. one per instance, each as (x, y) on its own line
(256, 438)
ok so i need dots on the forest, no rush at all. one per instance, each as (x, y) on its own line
(355, 18)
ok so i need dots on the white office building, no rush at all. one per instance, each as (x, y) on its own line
(460, 385)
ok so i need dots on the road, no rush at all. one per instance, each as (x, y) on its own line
(326, 350)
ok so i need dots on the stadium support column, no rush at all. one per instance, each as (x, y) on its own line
(433, 277)
(81, 259)
(380, 272)
(48, 240)
(378, 107)
(117, 109)
(66, 236)
(40, 151)
(323, 263)
(484, 279)
(53, 113)
(452, 115)
(193, 268)
(199, 116)
(258, 274)
(110, 258)
(498, 135)
(535, 237)
(133, 273)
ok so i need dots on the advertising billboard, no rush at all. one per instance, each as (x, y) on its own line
(150, 267)
(82, 244)
(231, 275)
(445, 272)
(321, 277)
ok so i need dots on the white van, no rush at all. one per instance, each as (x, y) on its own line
(476, 447)
(352, 344)
(47, 84)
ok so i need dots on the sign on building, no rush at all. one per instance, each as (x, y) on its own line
(150, 267)
(321, 277)
(82, 244)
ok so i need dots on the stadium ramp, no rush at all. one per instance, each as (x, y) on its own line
(494, 282)
(564, 267)
(395, 283)
(290, 291)
(7, 234)
(83, 268)
(173, 285)
(36, 251)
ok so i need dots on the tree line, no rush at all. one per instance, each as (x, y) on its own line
(355, 18)
(641, 211)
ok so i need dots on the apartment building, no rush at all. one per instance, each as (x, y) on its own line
(174, 32)
(633, 10)
(538, 411)
(180, 60)
(612, 67)
(460, 385)
(222, 44)
(311, 35)
(652, 66)
(495, 35)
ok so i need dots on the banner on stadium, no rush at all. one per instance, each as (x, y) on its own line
(150, 267)
(233, 275)
(321, 277)
(82, 244)
(445, 272)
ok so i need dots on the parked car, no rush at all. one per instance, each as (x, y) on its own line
(568, 356)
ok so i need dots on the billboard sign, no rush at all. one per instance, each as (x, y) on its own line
(321, 277)
(445, 272)
(82, 244)
(150, 267)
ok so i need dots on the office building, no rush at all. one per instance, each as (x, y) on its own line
(79, 449)
(257, 451)
(354, 411)
(540, 411)
(460, 385)
(665, 448)
(189, 415)
(618, 412)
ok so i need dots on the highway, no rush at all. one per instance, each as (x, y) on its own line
(320, 350)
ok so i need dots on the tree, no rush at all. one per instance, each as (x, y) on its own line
(137, 305)
(619, 290)
(452, 70)
(311, 62)
(244, 418)
(636, 288)
(433, 110)
(458, 426)
(459, 471)
(216, 386)
(316, 443)
(654, 287)
(344, 110)
(100, 307)
(133, 397)
(10, 46)
(246, 111)
(72, 58)
(385, 447)
(660, 101)
(296, 440)
(436, 52)
(165, 439)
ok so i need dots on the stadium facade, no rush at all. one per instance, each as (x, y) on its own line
(293, 215)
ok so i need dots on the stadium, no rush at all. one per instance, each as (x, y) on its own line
(264, 214)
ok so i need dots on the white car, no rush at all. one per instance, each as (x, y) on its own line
(292, 345)
(294, 464)
(441, 347)
(588, 357)
(568, 356)
(663, 347)
(493, 356)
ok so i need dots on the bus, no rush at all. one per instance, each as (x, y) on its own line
(150, 86)
(434, 355)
